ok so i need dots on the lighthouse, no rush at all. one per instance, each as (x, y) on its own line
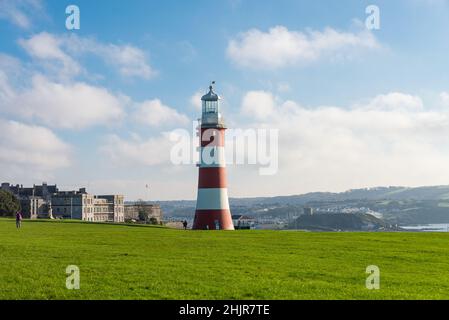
(212, 205)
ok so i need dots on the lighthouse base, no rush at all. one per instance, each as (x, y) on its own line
(213, 220)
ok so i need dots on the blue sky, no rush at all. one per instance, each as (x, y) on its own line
(354, 107)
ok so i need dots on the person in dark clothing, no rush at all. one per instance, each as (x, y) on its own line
(185, 224)
(18, 220)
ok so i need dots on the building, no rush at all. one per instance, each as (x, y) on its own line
(35, 201)
(132, 212)
(73, 205)
(35, 207)
(46, 201)
(308, 211)
(115, 206)
(212, 205)
(88, 207)
(102, 210)
(243, 222)
(44, 191)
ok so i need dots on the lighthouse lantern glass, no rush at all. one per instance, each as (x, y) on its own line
(210, 106)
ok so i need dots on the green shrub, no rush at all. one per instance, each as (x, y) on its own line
(9, 204)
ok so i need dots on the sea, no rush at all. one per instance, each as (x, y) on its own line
(437, 227)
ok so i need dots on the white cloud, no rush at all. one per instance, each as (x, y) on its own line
(137, 151)
(18, 12)
(396, 101)
(163, 185)
(70, 104)
(131, 60)
(5, 89)
(156, 114)
(444, 96)
(258, 104)
(10, 65)
(280, 47)
(48, 48)
(31, 148)
(391, 140)
(128, 60)
(195, 100)
(61, 105)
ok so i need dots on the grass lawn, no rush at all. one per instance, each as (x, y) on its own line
(139, 262)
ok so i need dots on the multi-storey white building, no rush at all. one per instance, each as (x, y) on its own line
(88, 207)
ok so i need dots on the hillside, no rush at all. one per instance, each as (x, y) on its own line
(396, 205)
(140, 262)
(340, 222)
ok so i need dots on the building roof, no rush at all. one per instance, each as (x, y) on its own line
(241, 217)
(35, 190)
(211, 95)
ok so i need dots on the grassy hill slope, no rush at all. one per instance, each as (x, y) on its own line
(133, 262)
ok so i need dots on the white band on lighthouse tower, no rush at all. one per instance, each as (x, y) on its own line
(212, 199)
(212, 157)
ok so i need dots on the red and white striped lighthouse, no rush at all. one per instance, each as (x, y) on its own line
(212, 205)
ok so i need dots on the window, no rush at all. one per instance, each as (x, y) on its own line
(210, 106)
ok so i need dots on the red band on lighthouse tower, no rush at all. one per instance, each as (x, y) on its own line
(212, 206)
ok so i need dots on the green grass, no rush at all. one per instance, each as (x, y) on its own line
(131, 262)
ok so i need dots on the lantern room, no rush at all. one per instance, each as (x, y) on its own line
(211, 116)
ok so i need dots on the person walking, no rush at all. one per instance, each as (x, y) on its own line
(18, 220)
(185, 224)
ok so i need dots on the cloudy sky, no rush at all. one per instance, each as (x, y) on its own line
(95, 107)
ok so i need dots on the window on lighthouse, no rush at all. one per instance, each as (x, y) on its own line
(210, 106)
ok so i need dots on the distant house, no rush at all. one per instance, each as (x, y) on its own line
(308, 211)
(135, 211)
(243, 222)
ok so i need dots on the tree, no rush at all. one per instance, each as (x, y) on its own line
(9, 204)
(145, 213)
(141, 210)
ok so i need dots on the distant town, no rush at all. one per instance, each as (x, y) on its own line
(369, 209)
